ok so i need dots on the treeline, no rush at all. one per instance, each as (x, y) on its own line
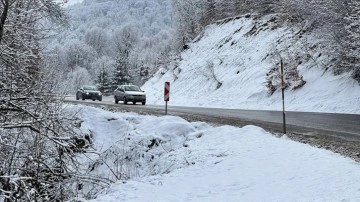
(336, 21)
(111, 42)
(37, 139)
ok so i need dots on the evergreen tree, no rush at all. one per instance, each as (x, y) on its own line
(121, 75)
(103, 82)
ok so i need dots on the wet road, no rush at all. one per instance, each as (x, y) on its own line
(329, 124)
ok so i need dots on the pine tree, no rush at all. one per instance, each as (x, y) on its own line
(103, 82)
(121, 75)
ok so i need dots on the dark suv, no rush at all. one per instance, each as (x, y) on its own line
(88, 92)
(129, 93)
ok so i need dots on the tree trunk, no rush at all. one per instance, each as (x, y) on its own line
(3, 17)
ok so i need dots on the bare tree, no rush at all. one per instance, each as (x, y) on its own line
(351, 42)
(4, 15)
(209, 73)
(37, 140)
(125, 39)
(188, 14)
(97, 39)
(78, 54)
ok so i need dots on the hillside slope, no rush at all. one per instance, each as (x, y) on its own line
(244, 55)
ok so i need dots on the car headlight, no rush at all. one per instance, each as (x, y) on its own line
(87, 93)
(100, 94)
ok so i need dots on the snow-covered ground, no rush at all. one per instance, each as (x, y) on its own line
(242, 60)
(71, 2)
(199, 162)
(169, 159)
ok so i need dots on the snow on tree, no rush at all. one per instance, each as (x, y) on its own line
(96, 27)
(102, 68)
(210, 13)
(97, 39)
(75, 79)
(124, 42)
(78, 54)
(37, 140)
(121, 74)
(103, 82)
(125, 39)
(188, 17)
(351, 57)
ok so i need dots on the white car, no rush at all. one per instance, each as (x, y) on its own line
(129, 93)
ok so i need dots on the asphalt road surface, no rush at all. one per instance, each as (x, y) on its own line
(328, 124)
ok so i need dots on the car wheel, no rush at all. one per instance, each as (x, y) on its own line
(143, 103)
(100, 99)
(77, 97)
(93, 99)
(82, 97)
(125, 101)
(116, 100)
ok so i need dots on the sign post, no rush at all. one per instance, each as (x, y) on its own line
(283, 95)
(166, 95)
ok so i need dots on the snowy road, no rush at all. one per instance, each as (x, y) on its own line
(334, 124)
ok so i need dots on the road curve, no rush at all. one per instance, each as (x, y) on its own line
(328, 124)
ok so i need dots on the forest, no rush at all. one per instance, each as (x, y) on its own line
(109, 43)
(47, 49)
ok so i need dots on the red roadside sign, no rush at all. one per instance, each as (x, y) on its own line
(167, 91)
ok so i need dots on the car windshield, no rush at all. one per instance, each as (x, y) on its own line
(132, 88)
(90, 88)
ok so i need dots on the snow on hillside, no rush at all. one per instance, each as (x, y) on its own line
(169, 159)
(243, 51)
(72, 2)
